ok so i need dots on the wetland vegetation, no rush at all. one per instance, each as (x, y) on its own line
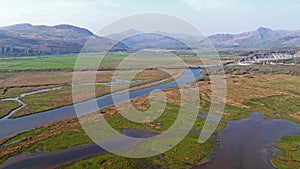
(270, 90)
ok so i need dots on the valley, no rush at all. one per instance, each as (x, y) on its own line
(253, 88)
(48, 72)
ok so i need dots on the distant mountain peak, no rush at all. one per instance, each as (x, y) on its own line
(121, 35)
(24, 27)
(65, 26)
(266, 33)
(132, 31)
(78, 29)
(264, 29)
(17, 26)
(261, 38)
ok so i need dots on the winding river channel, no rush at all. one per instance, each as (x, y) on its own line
(18, 99)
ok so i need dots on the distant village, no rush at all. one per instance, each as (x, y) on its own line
(272, 58)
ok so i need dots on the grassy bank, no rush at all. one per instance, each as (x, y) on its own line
(289, 158)
(180, 156)
(8, 106)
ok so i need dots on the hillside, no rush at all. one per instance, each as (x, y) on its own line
(262, 38)
(26, 39)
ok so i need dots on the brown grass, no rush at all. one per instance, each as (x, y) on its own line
(58, 98)
(7, 106)
(14, 84)
(241, 87)
(296, 116)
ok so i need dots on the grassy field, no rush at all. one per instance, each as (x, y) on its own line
(259, 93)
(41, 62)
(273, 94)
(89, 61)
(7, 106)
(46, 62)
(15, 83)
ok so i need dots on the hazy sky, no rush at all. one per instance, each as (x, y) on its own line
(209, 16)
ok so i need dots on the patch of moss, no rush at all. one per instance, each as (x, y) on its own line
(290, 156)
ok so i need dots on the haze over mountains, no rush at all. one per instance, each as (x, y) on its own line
(27, 40)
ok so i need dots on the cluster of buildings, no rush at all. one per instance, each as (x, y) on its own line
(270, 58)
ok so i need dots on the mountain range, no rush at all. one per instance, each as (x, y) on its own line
(27, 40)
(262, 38)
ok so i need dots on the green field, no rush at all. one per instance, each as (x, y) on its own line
(90, 60)
(47, 62)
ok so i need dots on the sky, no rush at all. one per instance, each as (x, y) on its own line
(209, 16)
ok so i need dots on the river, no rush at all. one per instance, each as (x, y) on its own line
(10, 127)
